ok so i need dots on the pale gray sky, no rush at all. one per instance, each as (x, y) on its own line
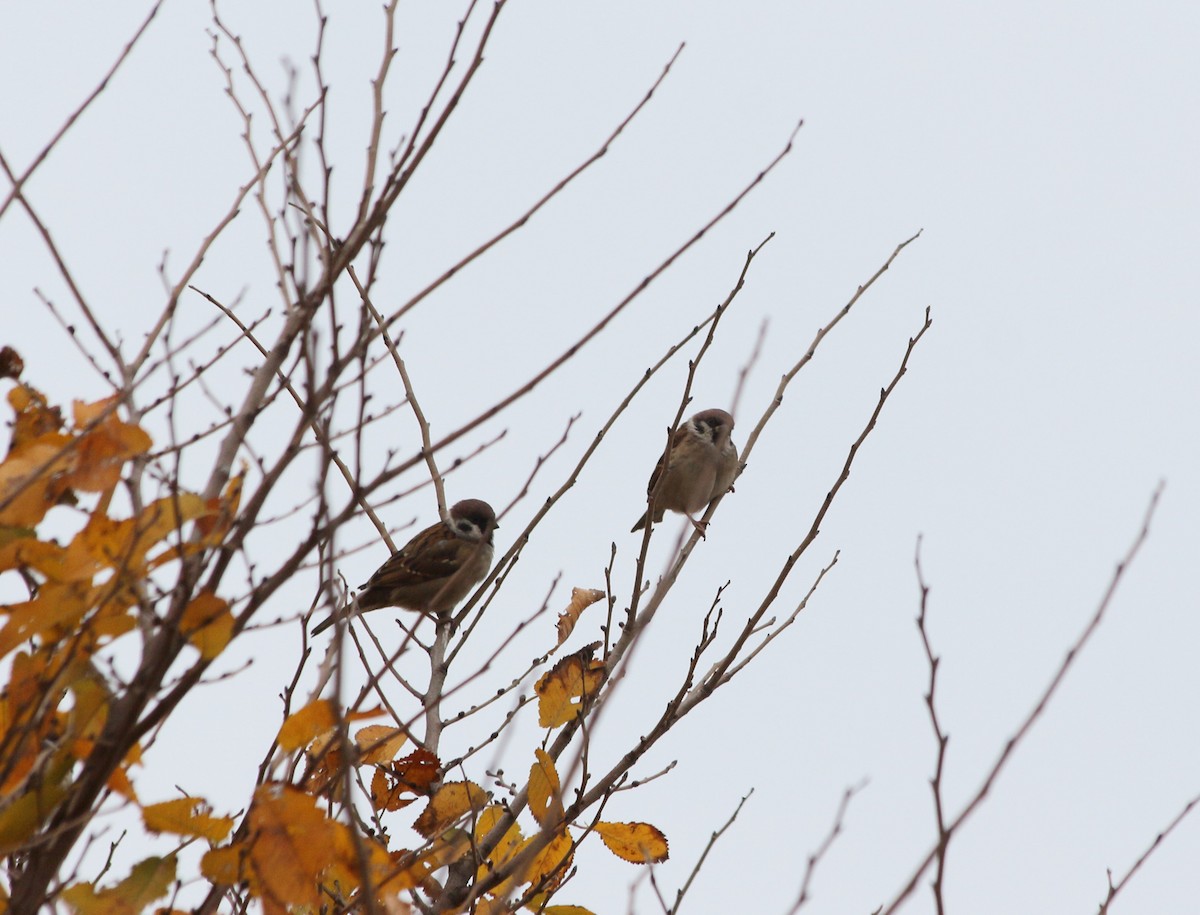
(1048, 151)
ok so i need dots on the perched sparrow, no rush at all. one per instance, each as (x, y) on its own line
(437, 568)
(703, 464)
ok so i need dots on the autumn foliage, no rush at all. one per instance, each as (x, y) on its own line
(289, 850)
(234, 463)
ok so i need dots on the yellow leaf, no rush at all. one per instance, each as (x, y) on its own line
(550, 867)
(452, 801)
(545, 793)
(207, 624)
(164, 517)
(638, 843)
(302, 726)
(149, 880)
(106, 542)
(56, 608)
(379, 743)
(565, 910)
(562, 689)
(581, 599)
(186, 816)
(91, 700)
(18, 820)
(503, 852)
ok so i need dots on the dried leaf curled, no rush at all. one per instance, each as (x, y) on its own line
(581, 599)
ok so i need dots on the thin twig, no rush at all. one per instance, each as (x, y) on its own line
(712, 840)
(1114, 889)
(941, 736)
(1060, 674)
(810, 867)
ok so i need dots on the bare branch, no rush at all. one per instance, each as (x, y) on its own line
(810, 866)
(1043, 701)
(1114, 889)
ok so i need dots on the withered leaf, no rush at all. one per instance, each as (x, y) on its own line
(581, 599)
(398, 785)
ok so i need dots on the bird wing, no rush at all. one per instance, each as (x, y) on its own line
(676, 441)
(407, 567)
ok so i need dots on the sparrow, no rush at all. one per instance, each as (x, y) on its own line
(703, 463)
(437, 568)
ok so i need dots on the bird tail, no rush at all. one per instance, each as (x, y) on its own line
(324, 624)
(641, 522)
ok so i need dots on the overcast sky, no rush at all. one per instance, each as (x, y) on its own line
(1047, 151)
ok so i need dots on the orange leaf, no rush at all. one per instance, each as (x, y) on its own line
(386, 793)
(35, 417)
(223, 865)
(451, 802)
(22, 550)
(325, 764)
(418, 770)
(291, 841)
(85, 413)
(411, 775)
(302, 726)
(562, 689)
(581, 599)
(30, 480)
(221, 511)
(545, 794)
(103, 448)
(119, 782)
(186, 816)
(638, 843)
